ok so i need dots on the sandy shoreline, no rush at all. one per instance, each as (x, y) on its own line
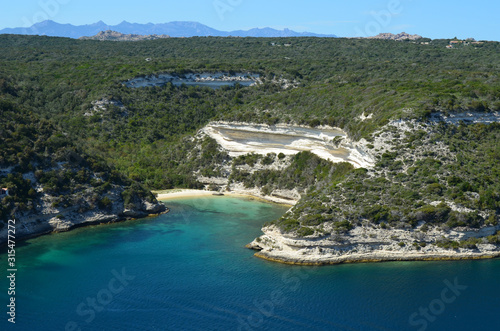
(188, 193)
(181, 193)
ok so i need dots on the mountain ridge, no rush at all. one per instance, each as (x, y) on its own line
(173, 29)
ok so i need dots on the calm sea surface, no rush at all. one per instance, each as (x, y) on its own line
(189, 270)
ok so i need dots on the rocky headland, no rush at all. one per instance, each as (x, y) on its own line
(325, 242)
(48, 219)
(372, 244)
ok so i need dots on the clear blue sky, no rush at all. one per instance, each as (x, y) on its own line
(347, 18)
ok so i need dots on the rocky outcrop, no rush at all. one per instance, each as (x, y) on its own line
(110, 35)
(203, 78)
(466, 117)
(329, 143)
(102, 107)
(36, 224)
(398, 37)
(48, 217)
(362, 239)
(369, 244)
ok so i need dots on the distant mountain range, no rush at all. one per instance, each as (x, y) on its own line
(172, 29)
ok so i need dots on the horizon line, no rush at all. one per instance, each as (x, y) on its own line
(151, 23)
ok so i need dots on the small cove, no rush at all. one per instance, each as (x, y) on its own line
(189, 270)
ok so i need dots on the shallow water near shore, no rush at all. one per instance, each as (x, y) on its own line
(189, 270)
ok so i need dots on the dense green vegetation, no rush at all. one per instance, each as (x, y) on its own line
(405, 189)
(31, 145)
(306, 170)
(48, 86)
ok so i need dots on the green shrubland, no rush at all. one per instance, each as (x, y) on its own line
(48, 125)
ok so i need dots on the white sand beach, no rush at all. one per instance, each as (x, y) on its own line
(188, 193)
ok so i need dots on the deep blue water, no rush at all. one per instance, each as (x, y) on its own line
(188, 270)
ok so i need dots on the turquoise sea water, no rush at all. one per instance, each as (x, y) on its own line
(189, 270)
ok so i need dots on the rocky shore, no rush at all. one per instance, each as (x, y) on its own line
(50, 220)
(367, 258)
(368, 244)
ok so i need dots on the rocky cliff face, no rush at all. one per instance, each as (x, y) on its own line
(399, 36)
(266, 160)
(48, 215)
(71, 194)
(368, 243)
(336, 227)
(110, 35)
(328, 143)
(55, 186)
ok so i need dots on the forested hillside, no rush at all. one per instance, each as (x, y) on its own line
(48, 176)
(49, 88)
